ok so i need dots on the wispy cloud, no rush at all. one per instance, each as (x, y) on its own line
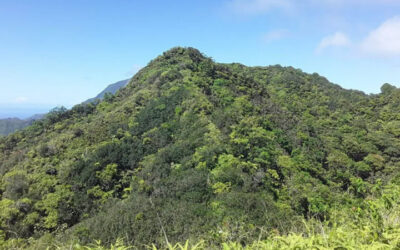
(344, 3)
(338, 39)
(255, 7)
(274, 35)
(20, 99)
(384, 40)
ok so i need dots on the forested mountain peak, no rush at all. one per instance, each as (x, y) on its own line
(179, 55)
(201, 150)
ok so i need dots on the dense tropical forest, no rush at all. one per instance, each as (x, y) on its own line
(198, 154)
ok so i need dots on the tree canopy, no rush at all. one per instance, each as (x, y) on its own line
(199, 149)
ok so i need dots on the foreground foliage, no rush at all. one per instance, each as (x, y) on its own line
(375, 226)
(192, 149)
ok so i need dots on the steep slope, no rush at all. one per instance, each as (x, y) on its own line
(195, 149)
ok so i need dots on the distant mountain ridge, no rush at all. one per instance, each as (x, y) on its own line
(112, 89)
(10, 125)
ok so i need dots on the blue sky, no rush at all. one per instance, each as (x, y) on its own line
(57, 52)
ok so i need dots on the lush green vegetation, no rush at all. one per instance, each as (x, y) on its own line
(374, 226)
(221, 154)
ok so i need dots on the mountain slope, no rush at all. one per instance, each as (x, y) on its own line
(194, 149)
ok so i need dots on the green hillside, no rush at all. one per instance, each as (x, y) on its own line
(216, 153)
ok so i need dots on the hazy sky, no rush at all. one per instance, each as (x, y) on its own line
(58, 52)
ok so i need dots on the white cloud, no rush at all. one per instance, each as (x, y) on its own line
(20, 99)
(344, 2)
(336, 40)
(385, 40)
(274, 35)
(254, 7)
(349, 3)
(258, 7)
